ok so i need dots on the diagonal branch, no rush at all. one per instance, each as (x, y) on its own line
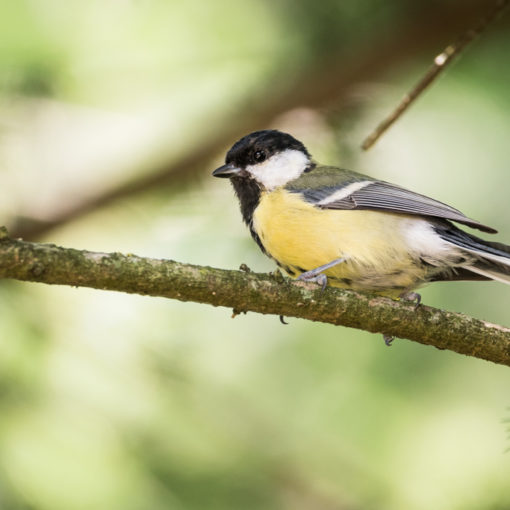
(317, 85)
(441, 61)
(246, 291)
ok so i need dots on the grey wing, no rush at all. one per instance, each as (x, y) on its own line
(382, 196)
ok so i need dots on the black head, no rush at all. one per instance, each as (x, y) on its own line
(253, 152)
(261, 145)
(263, 160)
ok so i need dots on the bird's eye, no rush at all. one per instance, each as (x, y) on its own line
(259, 156)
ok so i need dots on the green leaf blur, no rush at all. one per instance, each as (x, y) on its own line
(110, 401)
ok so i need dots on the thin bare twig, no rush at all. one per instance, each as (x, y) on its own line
(316, 87)
(441, 61)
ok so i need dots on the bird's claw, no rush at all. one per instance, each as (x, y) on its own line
(388, 340)
(412, 296)
(311, 276)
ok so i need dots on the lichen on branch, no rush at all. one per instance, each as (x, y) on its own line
(252, 292)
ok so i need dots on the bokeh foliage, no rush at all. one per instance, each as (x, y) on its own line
(114, 401)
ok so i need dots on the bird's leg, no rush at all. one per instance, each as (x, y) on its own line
(316, 275)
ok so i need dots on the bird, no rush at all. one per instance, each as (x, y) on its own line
(337, 227)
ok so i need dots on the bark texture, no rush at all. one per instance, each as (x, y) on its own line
(245, 291)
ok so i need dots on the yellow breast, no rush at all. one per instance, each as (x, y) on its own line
(301, 237)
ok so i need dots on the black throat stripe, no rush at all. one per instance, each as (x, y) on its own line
(248, 193)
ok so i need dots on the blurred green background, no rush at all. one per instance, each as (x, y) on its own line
(113, 113)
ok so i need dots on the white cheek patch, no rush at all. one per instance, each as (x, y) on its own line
(280, 168)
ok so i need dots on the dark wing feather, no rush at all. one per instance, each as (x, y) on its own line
(383, 196)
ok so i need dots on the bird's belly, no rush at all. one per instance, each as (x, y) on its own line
(301, 237)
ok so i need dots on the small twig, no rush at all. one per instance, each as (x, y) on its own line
(442, 60)
(315, 87)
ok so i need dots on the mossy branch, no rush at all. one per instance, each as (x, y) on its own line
(247, 291)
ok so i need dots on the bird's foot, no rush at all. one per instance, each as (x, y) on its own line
(406, 296)
(317, 275)
(388, 340)
(310, 276)
(411, 296)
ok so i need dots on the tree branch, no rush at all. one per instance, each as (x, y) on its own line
(316, 85)
(246, 291)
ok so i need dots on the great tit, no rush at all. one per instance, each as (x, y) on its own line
(330, 225)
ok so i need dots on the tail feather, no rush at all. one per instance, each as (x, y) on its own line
(491, 272)
(458, 274)
(492, 260)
